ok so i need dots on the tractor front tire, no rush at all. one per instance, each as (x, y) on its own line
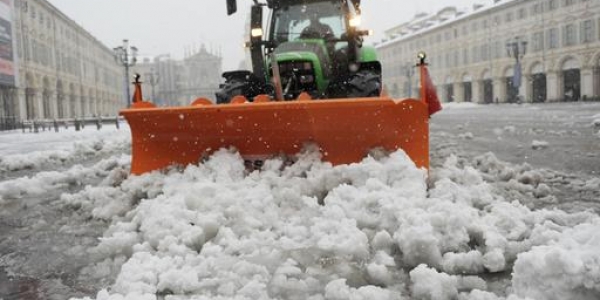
(365, 83)
(231, 88)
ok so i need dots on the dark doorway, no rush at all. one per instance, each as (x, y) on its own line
(488, 91)
(449, 92)
(467, 87)
(512, 92)
(571, 85)
(30, 103)
(8, 116)
(538, 86)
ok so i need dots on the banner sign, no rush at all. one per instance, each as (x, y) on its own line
(7, 58)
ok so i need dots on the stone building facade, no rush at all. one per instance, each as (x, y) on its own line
(171, 82)
(468, 52)
(60, 70)
(201, 76)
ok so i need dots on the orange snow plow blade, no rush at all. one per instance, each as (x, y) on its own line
(345, 130)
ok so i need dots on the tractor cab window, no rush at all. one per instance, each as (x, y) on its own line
(323, 20)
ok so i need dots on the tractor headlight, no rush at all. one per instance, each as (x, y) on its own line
(257, 32)
(355, 21)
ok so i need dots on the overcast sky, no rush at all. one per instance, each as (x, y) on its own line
(168, 26)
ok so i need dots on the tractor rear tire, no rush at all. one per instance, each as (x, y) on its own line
(365, 83)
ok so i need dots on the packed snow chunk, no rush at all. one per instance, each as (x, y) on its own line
(428, 284)
(566, 269)
(464, 185)
(538, 145)
(494, 261)
(339, 290)
(419, 245)
(478, 295)
(178, 281)
(596, 121)
(383, 241)
(466, 136)
(463, 263)
(592, 185)
(543, 190)
(379, 274)
(482, 295)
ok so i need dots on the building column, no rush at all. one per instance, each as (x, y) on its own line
(53, 101)
(82, 106)
(596, 79)
(526, 89)
(477, 90)
(553, 87)
(38, 102)
(587, 83)
(499, 87)
(459, 92)
(21, 105)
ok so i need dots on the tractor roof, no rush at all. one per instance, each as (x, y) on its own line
(279, 3)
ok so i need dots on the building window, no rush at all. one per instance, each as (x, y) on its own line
(552, 38)
(465, 56)
(496, 20)
(535, 9)
(522, 13)
(569, 2)
(569, 35)
(509, 17)
(552, 4)
(587, 31)
(537, 41)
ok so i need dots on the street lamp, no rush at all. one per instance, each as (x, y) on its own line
(409, 71)
(516, 49)
(153, 78)
(126, 56)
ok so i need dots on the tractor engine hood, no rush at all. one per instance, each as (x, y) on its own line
(306, 50)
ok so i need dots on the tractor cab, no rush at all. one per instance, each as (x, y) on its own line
(311, 46)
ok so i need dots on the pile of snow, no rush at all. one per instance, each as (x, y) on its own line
(596, 121)
(20, 151)
(537, 145)
(216, 232)
(569, 266)
(460, 105)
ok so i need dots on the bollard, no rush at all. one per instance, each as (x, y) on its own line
(77, 128)
(117, 122)
(23, 126)
(35, 127)
(55, 125)
(98, 123)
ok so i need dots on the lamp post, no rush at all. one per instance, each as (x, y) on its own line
(409, 71)
(516, 49)
(153, 78)
(127, 57)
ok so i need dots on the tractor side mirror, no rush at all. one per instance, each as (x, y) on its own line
(256, 20)
(231, 7)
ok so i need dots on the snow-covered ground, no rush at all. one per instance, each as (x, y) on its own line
(480, 228)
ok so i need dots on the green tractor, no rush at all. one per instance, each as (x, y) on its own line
(311, 46)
